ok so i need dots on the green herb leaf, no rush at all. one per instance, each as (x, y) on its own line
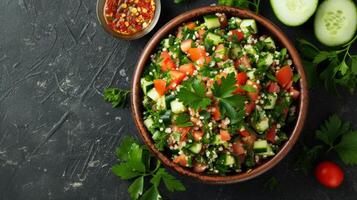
(183, 120)
(194, 96)
(322, 56)
(151, 194)
(310, 70)
(136, 188)
(125, 146)
(304, 160)
(347, 148)
(307, 49)
(249, 88)
(354, 64)
(229, 103)
(332, 129)
(118, 97)
(125, 171)
(171, 183)
(245, 4)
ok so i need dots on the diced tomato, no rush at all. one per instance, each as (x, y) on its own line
(187, 69)
(249, 108)
(220, 52)
(243, 61)
(238, 148)
(294, 93)
(242, 78)
(181, 160)
(235, 34)
(249, 140)
(186, 45)
(204, 60)
(160, 86)
(244, 133)
(198, 167)
(191, 25)
(197, 135)
(285, 76)
(201, 33)
(216, 114)
(196, 53)
(224, 134)
(183, 130)
(167, 63)
(271, 134)
(177, 76)
(273, 87)
(285, 112)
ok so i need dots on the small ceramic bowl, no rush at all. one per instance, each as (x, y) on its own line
(265, 27)
(100, 16)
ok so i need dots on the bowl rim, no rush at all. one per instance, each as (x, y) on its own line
(103, 23)
(274, 31)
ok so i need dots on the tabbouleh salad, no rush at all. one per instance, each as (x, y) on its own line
(217, 95)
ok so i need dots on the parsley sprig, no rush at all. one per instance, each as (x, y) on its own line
(229, 102)
(334, 135)
(339, 67)
(118, 97)
(245, 4)
(137, 162)
(192, 94)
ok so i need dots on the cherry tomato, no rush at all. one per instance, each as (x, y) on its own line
(271, 134)
(329, 174)
(242, 78)
(285, 76)
(236, 34)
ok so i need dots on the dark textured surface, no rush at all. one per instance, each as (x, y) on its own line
(57, 136)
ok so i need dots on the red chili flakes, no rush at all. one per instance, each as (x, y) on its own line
(128, 17)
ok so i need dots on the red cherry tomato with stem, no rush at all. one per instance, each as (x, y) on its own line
(329, 174)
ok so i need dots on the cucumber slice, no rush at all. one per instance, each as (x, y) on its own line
(294, 12)
(270, 43)
(229, 160)
(271, 101)
(249, 26)
(177, 107)
(161, 103)
(146, 85)
(149, 123)
(260, 146)
(336, 22)
(212, 21)
(153, 94)
(216, 39)
(196, 148)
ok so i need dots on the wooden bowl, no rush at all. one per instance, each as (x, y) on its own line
(266, 27)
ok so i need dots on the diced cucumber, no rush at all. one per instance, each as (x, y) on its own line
(177, 107)
(268, 59)
(270, 44)
(336, 22)
(216, 39)
(170, 98)
(153, 94)
(212, 21)
(251, 75)
(260, 146)
(176, 136)
(161, 103)
(262, 125)
(146, 85)
(196, 148)
(229, 160)
(149, 123)
(249, 26)
(294, 12)
(217, 140)
(235, 51)
(271, 101)
(250, 49)
(269, 152)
